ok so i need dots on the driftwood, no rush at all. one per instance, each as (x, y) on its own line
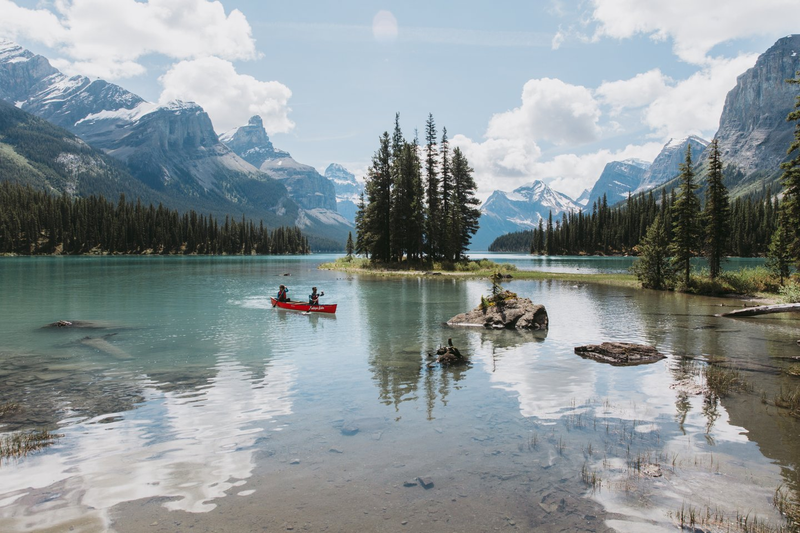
(763, 310)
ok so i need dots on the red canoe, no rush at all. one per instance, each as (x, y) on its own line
(302, 306)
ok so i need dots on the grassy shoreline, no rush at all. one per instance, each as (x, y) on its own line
(476, 269)
(755, 284)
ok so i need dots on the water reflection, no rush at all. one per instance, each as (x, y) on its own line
(189, 447)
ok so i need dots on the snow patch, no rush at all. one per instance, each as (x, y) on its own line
(126, 115)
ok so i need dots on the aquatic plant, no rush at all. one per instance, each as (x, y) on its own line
(722, 381)
(9, 407)
(20, 444)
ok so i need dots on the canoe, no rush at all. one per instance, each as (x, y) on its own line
(303, 306)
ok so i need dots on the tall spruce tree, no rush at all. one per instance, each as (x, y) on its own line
(779, 257)
(464, 206)
(791, 182)
(652, 267)
(361, 230)
(377, 218)
(685, 220)
(432, 191)
(716, 216)
(349, 247)
(448, 215)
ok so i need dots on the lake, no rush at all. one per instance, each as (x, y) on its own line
(191, 403)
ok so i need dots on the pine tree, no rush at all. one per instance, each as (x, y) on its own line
(447, 235)
(716, 216)
(685, 223)
(653, 267)
(464, 207)
(432, 192)
(791, 183)
(779, 257)
(377, 217)
(549, 248)
(349, 247)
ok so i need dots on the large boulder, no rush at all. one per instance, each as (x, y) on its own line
(510, 313)
(620, 353)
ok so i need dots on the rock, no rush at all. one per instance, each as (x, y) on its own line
(511, 313)
(410, 483)
(295, 462)
(349, 430)
(651, 470)
(426, 482)
(620, 353)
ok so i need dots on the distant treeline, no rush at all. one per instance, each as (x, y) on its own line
(618, 230)
(34, 222)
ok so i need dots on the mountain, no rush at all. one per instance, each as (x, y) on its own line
(617, 180)
(666, 164)
(504, 212)
(753, 133)
(170, 149)
(348, 190)
(37, 153)
(306, 186)
(583, 199)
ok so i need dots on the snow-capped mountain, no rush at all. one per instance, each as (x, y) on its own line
(666, 164)
(505, 212)
(306, 186)
(617, 180)
(583, 199)
(170, 148)
(348, 190)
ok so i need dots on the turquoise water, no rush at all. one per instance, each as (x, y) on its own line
(597, 264)
(190, 400)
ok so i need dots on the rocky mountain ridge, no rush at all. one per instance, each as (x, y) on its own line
(753, 133)
(171, 148)
(519, 210)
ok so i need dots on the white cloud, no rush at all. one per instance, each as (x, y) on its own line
(639, 91)
(506, 164)
(694, 105)
(229, 98)
(41, 25)
(695, 27)
(552, 111)
(106, 39)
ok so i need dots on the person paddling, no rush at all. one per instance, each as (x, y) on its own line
(283, 293)
(313, 298)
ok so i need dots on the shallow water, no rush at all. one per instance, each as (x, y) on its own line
(194, 403)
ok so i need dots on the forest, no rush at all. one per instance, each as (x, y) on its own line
(420, 203)
(34, 222)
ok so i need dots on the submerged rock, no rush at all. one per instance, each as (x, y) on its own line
(620, 353)
(510, 313)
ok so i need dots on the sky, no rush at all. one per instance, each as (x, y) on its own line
(537, 89)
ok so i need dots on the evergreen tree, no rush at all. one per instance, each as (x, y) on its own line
(653, 265)
(464, 207)
(791, 183)
(377, 217)
(716, 216)
(779, 256)
(362, 239)
(448, 239)
(349, 247)
(549, 248)
(540, 237)
(685, 224)
(432, 192)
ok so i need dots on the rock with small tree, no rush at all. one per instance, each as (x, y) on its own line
(504, 310)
